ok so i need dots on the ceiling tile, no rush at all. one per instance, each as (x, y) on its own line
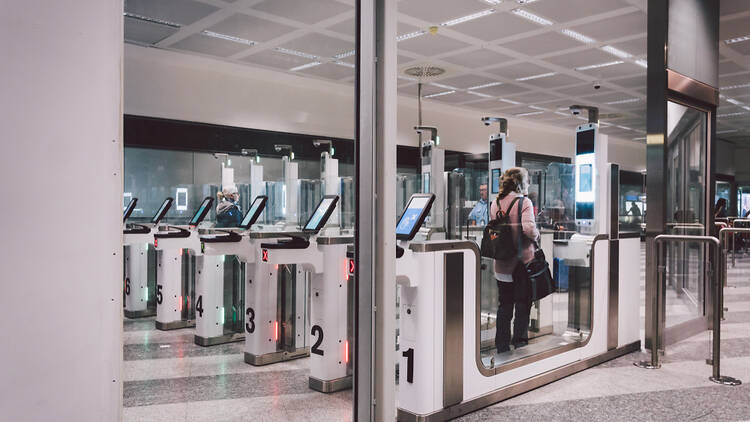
(250, 28)
(306, 11)
(319, 45)
(437, 11)
(542, 44)
(478, 58)
(734, 28)
(612, 28)
(636, 47)
(411, 90)
(431, 45)
(734, 79)
(741, 47)
(495, 26)
(581, 58)
(456, 97)
(518, 70)
(536, 97)
(146, 32)
(275, 59)
(466, 81)
(728, 7)
(561, 11)
(632, 82)
(553, 82)
(208, 45)
(346, 27)
(730, 67)
(502, 90)
(622, 69)
(183, 12)
(582, 90)
(329, 71)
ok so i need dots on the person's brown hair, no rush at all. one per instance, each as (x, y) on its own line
(515, 179)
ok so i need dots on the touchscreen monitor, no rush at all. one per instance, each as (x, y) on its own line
(413, 217)
(496, 181)
(165, 206)
(202, 211)
(129, 209)
(584, 210)
(585, 142)
(321, 214)
(256, 208)
(586, 178)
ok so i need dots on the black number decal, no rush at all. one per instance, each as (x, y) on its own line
(159, 297)
(250, 325)
(199, 306)
(127, 286)
(409, 355)
(315, 349)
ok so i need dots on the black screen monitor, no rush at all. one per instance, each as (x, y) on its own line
(256, 208)
(322, 213)
(413, 216)
(165, 206)
(585, 142)
(496, 149)
(496, 176)
(129, 209)
(202, 211)
(584, 210)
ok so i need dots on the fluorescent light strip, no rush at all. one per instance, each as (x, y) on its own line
(487, 85)
(537, 108)
(532, 77)
(345, 64)
(560, 113)
(467, 18)
(443, 86)
(345, 54)
(726, 131)
(746, 107)
(733, 101)
(578, 36)
(597, 66)
(410, 35)
(152, 20)
(530, 16)
(623, 127)
(616, 52)
(304, 66)
(629, 100)
(509, 101)
(296, 53)
(641, 138)
(228, 37)
(439, 94)
(531, 113)
(735, 86)
(493, 2)
(479, 94)
(407, 78)
(736, 40)
(526, 1)
(642, 63)
(741, 113)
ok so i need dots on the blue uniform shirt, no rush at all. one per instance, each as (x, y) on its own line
(480, 213)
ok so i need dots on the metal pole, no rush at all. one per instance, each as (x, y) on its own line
(654, 362)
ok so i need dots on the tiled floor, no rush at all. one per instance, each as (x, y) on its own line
(168, 378)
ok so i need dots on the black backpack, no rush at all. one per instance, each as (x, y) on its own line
(497, 242)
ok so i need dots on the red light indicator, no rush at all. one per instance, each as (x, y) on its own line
(351, 266)
(156, 242)
(276, 330)
(264, 255)
(346, 351)
(179, 303)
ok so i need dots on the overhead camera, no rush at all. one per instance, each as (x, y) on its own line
(597, 85)
(575, 110)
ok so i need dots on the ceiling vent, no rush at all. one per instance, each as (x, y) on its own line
(423, 72)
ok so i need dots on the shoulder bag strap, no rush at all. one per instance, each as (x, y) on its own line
(520, 226)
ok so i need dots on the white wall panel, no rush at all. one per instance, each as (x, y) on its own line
(60, 259)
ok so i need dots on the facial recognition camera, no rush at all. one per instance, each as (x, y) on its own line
(575, 110)
(597, 85)
(499, 120)
(592, 111)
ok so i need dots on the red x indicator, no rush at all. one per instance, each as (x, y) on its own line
(351, 266)
(265, 255)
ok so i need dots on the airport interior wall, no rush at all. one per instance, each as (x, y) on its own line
(167, 84)
(61, 260)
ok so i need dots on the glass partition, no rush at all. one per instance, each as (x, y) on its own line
(562, 320)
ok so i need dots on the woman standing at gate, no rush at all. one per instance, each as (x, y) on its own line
(512, 282)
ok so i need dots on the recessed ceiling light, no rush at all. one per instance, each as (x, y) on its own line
(578, 36)
(410, 35)
(509, 101)
(467, 18)
(532, 17)
(531, 113)
(304, 66)
(439, 94)
(597, 66)
(296, 53)
(629, 100)
(152, 20)
(614, 51)
(228, 37)
(733, 101)
(443, 86)
(726, 131)
(345, 54)
(345, 64)
(542, 75)
(642, 63)
(736, 40)
(735, 86)
(479, 94)
(487, 85)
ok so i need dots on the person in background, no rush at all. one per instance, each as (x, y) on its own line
(479, 216)
(634, 210)
(228, 213)
(512, 281)
(720, 210)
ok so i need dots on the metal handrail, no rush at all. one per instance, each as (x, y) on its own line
(734, 221)
(661, 270)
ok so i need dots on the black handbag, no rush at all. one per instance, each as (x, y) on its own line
(540, 280)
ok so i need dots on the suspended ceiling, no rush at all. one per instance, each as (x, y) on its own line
(525, 58)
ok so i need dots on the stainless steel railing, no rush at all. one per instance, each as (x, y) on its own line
(735, 221)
